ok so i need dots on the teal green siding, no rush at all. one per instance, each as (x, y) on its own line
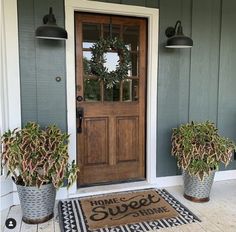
(196, 84)
(27, 61)
(42, 98)
(173, 84)
(204, 79)
(193, 84)
(227, 71)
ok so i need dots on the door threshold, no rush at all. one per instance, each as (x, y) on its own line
(104, 189)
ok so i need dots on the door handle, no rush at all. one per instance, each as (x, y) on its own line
(79, 116)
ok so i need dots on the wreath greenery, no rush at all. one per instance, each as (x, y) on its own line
(98, 60)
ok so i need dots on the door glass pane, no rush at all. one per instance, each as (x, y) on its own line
(86, 65)
(112, 94)
(111, 59)
(91, 33)
(133, 72)
(115, 30)
(92, 86)
(131, 37)
(130, 90)
(92, 90)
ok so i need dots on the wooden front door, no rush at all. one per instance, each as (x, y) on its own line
(110, 122)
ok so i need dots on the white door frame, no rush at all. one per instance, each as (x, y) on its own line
(10, 104)
(151, 123)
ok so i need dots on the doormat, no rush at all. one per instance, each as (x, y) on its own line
(143, 210)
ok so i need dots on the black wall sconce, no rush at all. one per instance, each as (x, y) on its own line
(50, 30)
(176, 37)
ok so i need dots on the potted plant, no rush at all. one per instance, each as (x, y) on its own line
(37, 159)
(199, 150)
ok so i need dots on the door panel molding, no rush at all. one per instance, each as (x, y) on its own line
(96, 127)
(127, 133)
(97, 7)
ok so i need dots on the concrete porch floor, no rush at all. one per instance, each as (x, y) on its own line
(219, 214)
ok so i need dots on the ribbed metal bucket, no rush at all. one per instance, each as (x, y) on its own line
(197, 190)
(37, 204)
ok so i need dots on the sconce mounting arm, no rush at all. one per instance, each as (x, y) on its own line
(170, 31)
(49, 18)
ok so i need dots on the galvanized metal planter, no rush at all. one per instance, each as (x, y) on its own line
(197, 190)
(37, 204)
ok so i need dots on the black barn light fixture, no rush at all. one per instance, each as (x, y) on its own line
(176, 37)
(50, 30)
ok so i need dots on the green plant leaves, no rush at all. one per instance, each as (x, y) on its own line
(35, 156)
(97, 61)
(199, 148)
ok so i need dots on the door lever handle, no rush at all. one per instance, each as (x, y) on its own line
(79, 116)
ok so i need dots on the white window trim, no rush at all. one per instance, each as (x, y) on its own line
(99, 7)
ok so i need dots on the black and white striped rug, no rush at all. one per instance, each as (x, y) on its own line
(72, 218)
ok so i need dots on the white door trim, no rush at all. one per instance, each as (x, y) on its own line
(10, 104)
(108, 8)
